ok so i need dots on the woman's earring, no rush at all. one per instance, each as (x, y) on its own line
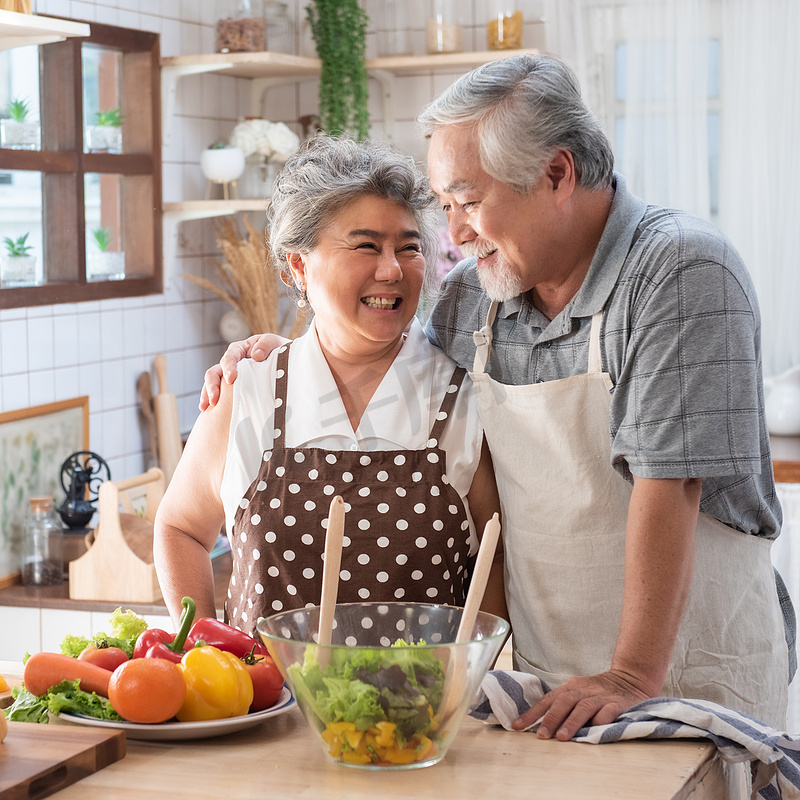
(303, 301)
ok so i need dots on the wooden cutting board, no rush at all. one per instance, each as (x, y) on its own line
(38, 760)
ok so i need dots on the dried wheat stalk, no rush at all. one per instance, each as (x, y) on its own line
(248, 283)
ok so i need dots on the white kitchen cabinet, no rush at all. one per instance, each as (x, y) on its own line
(33, 630)
(21, 632)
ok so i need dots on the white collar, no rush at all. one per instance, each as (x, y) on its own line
(399, 411)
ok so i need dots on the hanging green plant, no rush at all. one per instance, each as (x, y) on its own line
(339, 28)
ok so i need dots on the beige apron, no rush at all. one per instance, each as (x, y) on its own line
(564, 516)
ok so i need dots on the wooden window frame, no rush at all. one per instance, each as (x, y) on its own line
(63, 164)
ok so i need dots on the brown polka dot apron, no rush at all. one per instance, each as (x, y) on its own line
(406, 531)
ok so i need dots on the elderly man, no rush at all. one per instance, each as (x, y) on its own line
(616, 355)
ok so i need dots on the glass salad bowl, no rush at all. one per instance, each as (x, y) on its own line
(392, 689)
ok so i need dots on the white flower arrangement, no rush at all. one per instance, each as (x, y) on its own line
(273, 140)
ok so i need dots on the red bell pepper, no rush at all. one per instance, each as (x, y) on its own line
(155, 643)
(210, 631)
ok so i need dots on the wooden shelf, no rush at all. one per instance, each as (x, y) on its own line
(444, 62)
(18, 30)
(279, 65)
(245, 65)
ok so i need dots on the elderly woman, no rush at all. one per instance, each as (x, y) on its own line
(360, 406)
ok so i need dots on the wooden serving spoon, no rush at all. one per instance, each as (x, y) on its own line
(456, 677)
(330, 576)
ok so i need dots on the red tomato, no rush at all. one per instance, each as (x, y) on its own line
(106, 657)
(267, 681)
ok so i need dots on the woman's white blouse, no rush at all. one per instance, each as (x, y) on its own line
(399, 416)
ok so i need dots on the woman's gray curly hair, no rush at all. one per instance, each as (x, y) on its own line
(326, 175)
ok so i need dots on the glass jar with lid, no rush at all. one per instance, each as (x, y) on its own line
(279, 29)
(241, 26)
(443, 30)
(504, 28)
(393, 38)
(43, 547)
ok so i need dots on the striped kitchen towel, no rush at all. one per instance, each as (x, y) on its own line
(504, 695)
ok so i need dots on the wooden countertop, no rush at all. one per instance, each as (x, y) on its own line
(279, 758)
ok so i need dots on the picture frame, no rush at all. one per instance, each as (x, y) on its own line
(34, 443)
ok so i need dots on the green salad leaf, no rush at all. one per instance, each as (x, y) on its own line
(65, 696)
(126, 626)
(68, 696)
(365, 686)
(26, 707)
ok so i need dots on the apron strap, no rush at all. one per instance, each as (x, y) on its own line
(281, 386)
(595, 354)
(483, 340)
(446, 408)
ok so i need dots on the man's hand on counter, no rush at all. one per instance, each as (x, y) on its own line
(599, 699)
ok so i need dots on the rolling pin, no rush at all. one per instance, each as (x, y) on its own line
(146, 402)
(166, 409)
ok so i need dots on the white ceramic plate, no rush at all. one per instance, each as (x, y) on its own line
(175, 731)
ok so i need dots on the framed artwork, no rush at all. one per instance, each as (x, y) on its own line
(34, 443)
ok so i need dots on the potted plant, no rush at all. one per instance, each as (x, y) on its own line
(103, 264)
(339, 29)
(18, 132)
(106, 133)
(17, 266)
(222, 163)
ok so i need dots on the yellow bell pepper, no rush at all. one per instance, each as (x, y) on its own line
(217, 685)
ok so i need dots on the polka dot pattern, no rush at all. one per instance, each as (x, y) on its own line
(404, 536)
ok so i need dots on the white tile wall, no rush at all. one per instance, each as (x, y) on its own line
(99, 348)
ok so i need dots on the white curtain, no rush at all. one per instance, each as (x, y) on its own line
(701, 99)
(760, 162)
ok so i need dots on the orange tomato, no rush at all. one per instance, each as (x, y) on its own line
(148, 690)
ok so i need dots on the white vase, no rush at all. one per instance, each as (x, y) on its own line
(222, 165)
(17, 271)
(19, 135)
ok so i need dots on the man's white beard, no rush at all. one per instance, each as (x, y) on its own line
(499, 285)
(498, 281)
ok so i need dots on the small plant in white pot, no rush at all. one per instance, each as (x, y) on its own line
(17, 265)
(103, 264)
(222, 163)
(105, 136)
(19, 131)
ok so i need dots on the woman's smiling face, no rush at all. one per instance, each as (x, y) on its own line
(364, 277)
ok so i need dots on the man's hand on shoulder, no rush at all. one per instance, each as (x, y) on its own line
(258, 347)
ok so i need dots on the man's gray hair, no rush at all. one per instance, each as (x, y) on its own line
(525, 108)
(326, 175)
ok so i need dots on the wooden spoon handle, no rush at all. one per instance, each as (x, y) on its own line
(480, 576)
(330, 573)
